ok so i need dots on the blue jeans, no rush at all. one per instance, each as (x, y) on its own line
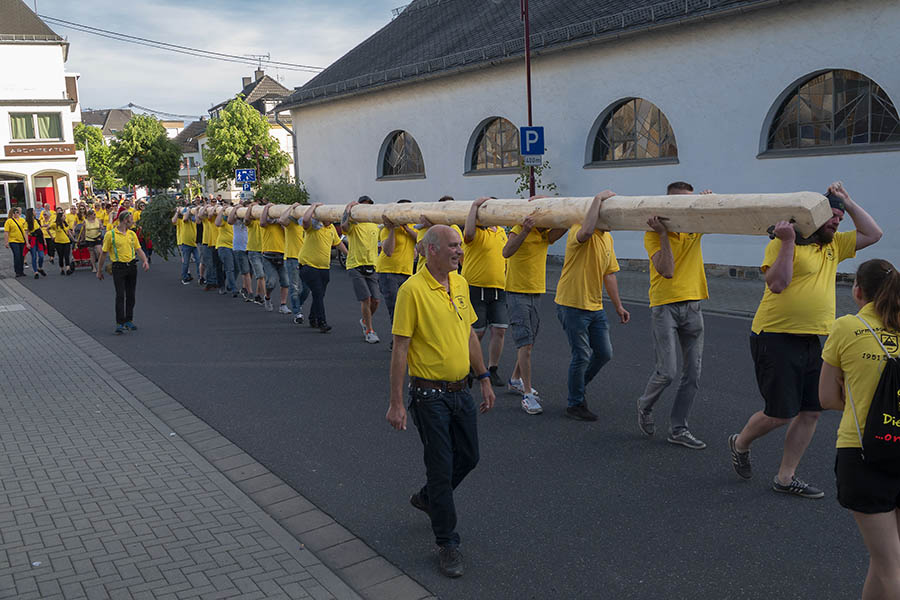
(226, 257)
(588, 335)
(207, 254)
(18, 251)
(186, 253)
(448, 427)
(299, 290)
(37, 257)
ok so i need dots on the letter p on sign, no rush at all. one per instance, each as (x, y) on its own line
(531, 141)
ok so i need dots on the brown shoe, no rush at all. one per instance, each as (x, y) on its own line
(580, 412)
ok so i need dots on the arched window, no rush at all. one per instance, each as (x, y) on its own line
(400, 157)
(495, 146)
(838, 109)
(633, 129)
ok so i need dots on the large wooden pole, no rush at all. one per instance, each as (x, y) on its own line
(742, 214)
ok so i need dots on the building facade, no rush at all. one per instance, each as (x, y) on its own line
(739, 97)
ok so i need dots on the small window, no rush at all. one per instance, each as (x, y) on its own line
(24, 126)
(496, 146)
(837, 108)
(633, 130)
(401, 157)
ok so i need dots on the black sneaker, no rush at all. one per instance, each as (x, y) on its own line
(185, 281)
(580, 412)
(201, 282)
(798, 487)
(496, 380)
(258, 300)
(646, 423)
(417, 502)
(314, 324)
(740, 460)
(451, 561)
(324, 327)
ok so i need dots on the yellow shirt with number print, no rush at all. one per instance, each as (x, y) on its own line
(581, 282)
(689, 280)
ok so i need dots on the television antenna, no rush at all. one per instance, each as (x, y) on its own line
(260, 58)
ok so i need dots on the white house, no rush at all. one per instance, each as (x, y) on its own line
(38, 106)
(188, 141)
(733, 95)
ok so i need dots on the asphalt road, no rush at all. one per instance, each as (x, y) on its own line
(555, 509)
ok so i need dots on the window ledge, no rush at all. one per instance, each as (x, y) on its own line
(503, 171)
(829, 150)
(400, 177)
(38, 141)
(636, 162)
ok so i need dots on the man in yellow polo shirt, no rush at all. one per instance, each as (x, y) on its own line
(395, 263)
(254, 252)
(294, 236)
(273, 260)
(186, 237)
(225, 250)
(677, 285)
(796, 308)
(362, 239)
(485, 269)
(315, 263)
(526, 281)
(434, 340)
(589, 266)
(121, 246)
(208, 249)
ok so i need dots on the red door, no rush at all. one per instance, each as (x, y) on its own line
(46, 195)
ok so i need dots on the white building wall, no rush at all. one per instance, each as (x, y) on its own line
(715, 81)
(32, 71)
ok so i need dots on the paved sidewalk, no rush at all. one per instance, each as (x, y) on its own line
(101, 499)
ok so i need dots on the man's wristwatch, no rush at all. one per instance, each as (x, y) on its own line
(484, 375)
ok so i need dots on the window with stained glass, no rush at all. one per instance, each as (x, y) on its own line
(834, 108)
(634, 129)
(496, 146)
(402, 156)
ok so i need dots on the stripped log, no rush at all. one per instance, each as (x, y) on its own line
(742, 214)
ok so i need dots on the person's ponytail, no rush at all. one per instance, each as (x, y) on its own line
(879, 282)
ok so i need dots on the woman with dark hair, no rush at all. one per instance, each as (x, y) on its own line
(62, 240)
(93, 237)
(16, 239)
(121, 246)
(36, 241)
(855, 355)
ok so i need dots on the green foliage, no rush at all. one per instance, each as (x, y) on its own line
(541, 188)
(192, 189)
(238, 131)
(282, 190)
(156, 224)
(144, 155)
(99, 157)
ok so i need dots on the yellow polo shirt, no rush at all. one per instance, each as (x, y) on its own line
(581, 282)
(294, 236)
(689, 280)
(125, 247)
(102, 215)
(137, 216)
(179, 232)
(59, 233)
(188, 231)
(424, 257)
(526, 270)
(483, 262)
(45, 218)
(438, 325)
(71, 220)
(806, 306)
(853, 349)
(224, 234)
(362, 241)
(401, 260)
(317, 245)
(14, 234)
(254, 237)
(273, 238)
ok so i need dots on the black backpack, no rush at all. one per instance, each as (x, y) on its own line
(881, 442)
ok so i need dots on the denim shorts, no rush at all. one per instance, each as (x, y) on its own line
(256, 264)
(275, 273)
(524, 320)
(241, 261)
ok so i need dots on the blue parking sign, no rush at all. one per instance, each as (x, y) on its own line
(246, 187)
(531, 141)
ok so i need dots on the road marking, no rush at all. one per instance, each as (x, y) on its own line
(11, 307)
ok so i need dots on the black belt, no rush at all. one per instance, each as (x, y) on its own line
(419, 384)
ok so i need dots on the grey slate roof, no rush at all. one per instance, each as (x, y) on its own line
(109, 120)
(437, 37)
(265, 87)
(187, 139)
(18, 23)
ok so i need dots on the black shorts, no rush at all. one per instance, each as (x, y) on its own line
(787, 372)
(490, 307)
(862, 487)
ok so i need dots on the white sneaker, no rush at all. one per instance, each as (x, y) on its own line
(531, 405)
(372, 337)
(516, 385)
(363, 325)
(284, 310)
(298, 318)
(267, 304)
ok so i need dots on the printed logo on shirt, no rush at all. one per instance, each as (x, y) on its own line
(829, 253)
(460, 302)
(890, 342)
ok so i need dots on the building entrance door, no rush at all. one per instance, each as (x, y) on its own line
(12, 194)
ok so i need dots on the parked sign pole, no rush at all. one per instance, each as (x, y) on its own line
(524, 8)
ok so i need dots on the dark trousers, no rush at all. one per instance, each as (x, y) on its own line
(219, 267)
(65, 254)
(317, 282)
(125, 279)
(18, 257)
(448, 426)
(51, 245)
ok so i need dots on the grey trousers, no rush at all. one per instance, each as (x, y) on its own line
(673, 325)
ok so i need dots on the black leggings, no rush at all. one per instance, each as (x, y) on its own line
(65, 256)
(317, 282)
(125, 279)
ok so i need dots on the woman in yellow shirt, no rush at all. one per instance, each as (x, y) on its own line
(855, 357)
(16, 239)
(62, 235)
(93, 237)
(121, 246)
(36, 241)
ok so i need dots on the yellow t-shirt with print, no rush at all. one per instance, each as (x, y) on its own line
(59, 234)
(362, 242)
(224, 234)
(254, 237)
(689, 279)
(853, 349)
(14, 234)
(424, 257)
(806, 306)
(317, 245)
(483, 262)
(438, 324)
(581, 282)
(401, 259)
(273, 238)
(294, 235)
(125, 246)
(526, 269)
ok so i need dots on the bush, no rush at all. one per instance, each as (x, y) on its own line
(281, 190)
(156, 224)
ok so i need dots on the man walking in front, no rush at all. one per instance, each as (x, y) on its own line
(362, 240)
(434, 339)
(677, 285)
(797, 307)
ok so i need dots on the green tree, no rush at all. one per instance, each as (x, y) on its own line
(540, 187)
(156, 224)
(192, 189)
(99, 158)
(281, 190)
(236, 138)
(144, 155)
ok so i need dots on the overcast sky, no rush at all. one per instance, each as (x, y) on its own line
(113, 73)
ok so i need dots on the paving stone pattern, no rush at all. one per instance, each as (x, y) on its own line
(98, 500)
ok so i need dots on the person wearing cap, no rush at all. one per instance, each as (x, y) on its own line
(796, 308)
(362, 239)
(395, 263)
(434, 341)
(121, 246)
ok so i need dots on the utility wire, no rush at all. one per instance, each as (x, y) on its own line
(197, 52)
(159, 112)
